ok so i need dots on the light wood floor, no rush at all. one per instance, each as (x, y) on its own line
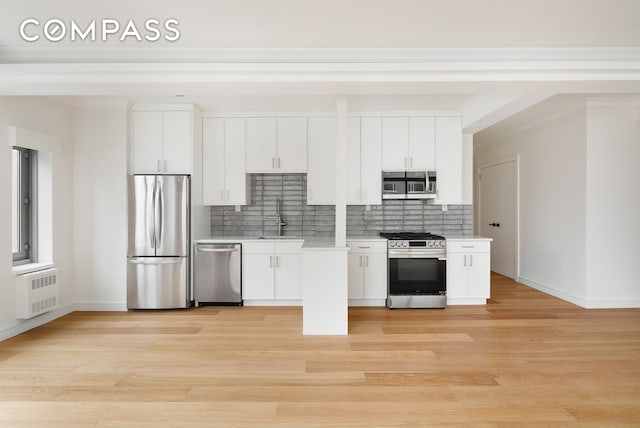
(524, 359)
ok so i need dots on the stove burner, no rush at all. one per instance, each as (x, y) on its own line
(411, 236)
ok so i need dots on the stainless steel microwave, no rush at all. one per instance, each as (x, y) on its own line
(408, 184)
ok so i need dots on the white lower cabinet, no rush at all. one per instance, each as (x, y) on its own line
(272, 272)
(468, 272)
(367, 273)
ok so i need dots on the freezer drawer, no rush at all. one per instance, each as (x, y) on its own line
(217, 273)
(157, 283)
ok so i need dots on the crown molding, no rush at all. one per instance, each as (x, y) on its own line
(27, 55)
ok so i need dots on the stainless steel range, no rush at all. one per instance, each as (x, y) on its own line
(417, 269)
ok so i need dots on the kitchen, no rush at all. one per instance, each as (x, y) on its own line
(552, 110)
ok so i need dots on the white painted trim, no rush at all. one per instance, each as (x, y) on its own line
(162, 107)
(367, 302)
(31, 267)
(35, 140)
(32, 323)
(466, 301)
(513, 158)
(612, 102)
(314, 55)
(576, 300)
(101, 306)
(381, 113)
(272, 302)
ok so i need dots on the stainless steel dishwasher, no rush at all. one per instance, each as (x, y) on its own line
(217, 274)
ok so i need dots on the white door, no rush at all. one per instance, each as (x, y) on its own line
(498, 215)
(371, 162)
(234, 158)
(321, 167)
(213, 161)
(292, 144)
(422, 143)
(257, 276)
(176, 129)
(146, 146)
(395, 143)
(288, 279)
(354, 189)
(261, 144)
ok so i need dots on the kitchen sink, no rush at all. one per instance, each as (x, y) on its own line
(278, 237)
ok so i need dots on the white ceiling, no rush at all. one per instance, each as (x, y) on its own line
(500, 63)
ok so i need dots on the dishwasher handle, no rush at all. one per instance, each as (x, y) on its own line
(215, 250)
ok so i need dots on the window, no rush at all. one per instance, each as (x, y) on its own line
(23, 213)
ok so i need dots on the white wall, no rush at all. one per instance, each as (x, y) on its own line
(100, 207)
(46, 116)
(552, 203)
(613, 206)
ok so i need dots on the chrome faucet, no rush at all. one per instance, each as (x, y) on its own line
(279, 217)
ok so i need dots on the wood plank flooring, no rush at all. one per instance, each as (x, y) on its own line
(526, 359)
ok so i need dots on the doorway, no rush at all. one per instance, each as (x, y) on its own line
(498, 213)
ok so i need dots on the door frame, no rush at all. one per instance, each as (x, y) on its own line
(516, 159)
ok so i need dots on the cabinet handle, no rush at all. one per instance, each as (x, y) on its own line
(471, 260)
(271, 261)
(360, 261)
(468, 246)
(166, 166)
(411, 162)
(465, 260)
(360, 246)
(273, 163)
(367, 259)
(405, 163)
(227, 196)
(278, 163)
(158, 167)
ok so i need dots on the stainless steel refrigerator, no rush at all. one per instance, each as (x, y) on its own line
(159, 235)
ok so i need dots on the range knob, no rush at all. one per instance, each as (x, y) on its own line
(405, 244)
(429, 243)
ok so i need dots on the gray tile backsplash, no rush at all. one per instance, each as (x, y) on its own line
(319, 220)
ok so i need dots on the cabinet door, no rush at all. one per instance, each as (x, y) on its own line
(321, 168)
(261, 144)
(478, 277)
(355, 279)
(354, 195)
(291, 155)
(146, 142)
(422, 143)
(213, 161)
(457, 275)
(288, 279)
(449, 160)
(234, 158)
(395, 143)
(371, 161)
(177, 142)
(375, 284)
(257, 276)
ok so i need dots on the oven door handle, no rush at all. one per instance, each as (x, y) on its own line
(415, 255)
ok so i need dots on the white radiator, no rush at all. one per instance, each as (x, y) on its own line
(36, 293)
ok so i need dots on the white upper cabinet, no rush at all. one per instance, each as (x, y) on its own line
(395, 143)
(364, 161)
(321, 162)
(276, 144)
(422, 144)
(449, 160)
(408, 143)
(161, 141)
(223, 158)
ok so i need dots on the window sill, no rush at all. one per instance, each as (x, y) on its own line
(31, 267)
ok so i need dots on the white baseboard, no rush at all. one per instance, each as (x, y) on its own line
(465, 301)
(576, 300)
(101, 306)
(272, 302)
(612, 304)
(26, 325)
(368, 302)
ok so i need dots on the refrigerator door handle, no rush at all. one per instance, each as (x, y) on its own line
(156, 261)
(151, 209)
(158, 215)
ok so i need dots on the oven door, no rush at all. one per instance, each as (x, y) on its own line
(416, 274)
